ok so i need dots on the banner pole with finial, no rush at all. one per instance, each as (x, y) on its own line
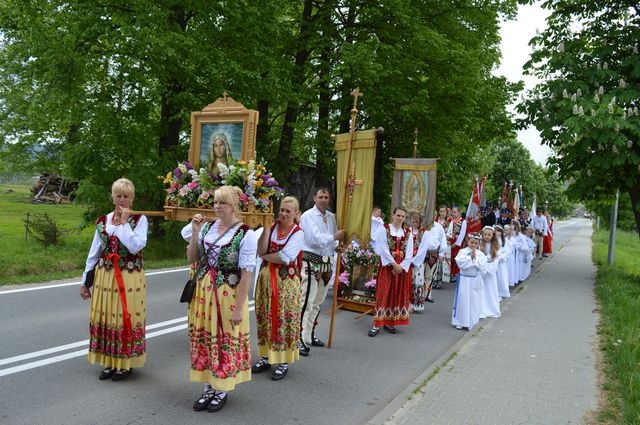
(336, 287)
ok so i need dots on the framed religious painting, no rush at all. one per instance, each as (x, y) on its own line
(414, 186)
(222, 132)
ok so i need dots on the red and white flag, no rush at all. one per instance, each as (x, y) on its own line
(473, 211)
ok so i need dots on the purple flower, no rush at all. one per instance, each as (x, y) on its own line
(344, 278)
(177, 173)
(188, 165)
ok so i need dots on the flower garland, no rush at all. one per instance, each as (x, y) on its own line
(189, 188)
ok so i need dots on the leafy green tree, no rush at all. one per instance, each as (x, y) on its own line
(586, 107)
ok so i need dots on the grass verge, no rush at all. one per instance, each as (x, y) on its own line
(618, 292)
(24, 260)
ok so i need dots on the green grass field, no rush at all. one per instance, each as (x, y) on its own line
(24, 260)
(618, 291)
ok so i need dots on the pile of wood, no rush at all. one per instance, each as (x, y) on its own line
(53, 189)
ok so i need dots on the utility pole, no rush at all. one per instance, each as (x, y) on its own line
(612, 230)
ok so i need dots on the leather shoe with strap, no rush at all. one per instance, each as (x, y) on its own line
(304, 349)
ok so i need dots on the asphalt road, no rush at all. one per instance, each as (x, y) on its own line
(45, 377)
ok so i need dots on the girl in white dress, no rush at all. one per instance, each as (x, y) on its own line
(467, 302)
(512, 262)
(490, 298)
(502, 275)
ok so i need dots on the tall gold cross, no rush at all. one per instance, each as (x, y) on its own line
(352, 181)
(354, 111)
(415, 142)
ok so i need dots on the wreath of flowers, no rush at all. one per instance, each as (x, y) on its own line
(189, 188)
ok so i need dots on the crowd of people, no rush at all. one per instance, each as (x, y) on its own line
(295, 263)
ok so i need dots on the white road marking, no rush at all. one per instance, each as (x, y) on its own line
(83, 352)
(61, 285)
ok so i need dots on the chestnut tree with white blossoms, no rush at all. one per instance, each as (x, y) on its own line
(586, 107)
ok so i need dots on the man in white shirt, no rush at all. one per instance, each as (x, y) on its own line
(321, 236)
(541, 227)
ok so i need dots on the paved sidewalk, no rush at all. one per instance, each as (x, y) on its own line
(534, 365)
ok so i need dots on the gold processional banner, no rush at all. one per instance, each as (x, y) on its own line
(359, 174)
(414, 186)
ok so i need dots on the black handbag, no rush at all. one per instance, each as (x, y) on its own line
(187, 291)
(89, 277)
(190, 286)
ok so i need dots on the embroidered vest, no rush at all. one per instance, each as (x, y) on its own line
(397, 244)
(289, 270)
(417, 238)
(111, 244)
(227, 264)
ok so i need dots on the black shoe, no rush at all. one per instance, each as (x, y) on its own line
(316, 342)
(390, 329)
(429, 299)
(279, 373)
(107, 373)
(121, 374)
(204, 400)
(304, 349)
(261, 366)
(373, 331)
(217, 401)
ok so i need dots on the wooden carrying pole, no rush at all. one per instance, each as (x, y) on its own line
(352, 133)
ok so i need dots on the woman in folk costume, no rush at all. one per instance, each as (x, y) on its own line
(278, 292)
(467, 302)
(490, 247)
(502, 275)
(547, 243)
(418, 278)
(219, 312)
(456, 233)
(394, 244)
(443, 270)
(513, 260)
(118, 313)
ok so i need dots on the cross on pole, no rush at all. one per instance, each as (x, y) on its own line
(415, 142)
(352, 181)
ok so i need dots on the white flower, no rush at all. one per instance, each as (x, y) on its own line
(635, 50)
(630, 144)
(223, 170)
(623, 83)
(605, 66)
(614, 149)
(561, 47)
(565, 94)
(616, 128)
(598, 66)
(575, 109)
(635, 110)
(574, 97)
(581, 111)
(596, 98)
(589, 173)
(593, 113)
(600, 90)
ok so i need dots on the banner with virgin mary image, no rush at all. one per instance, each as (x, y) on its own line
(414, 186)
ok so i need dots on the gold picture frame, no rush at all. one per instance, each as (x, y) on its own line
(221, 132)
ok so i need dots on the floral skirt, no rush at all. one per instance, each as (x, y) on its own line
(392, 298)
(221, 358)
(419, 291)
(106, 320)
(278, 341)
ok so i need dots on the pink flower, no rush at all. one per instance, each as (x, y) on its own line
(371, 284)
(344, 278)
(192, 185)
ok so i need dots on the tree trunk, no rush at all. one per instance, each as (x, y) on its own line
(634, 195)
(293, 105)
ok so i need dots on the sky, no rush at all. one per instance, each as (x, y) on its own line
(515, 53)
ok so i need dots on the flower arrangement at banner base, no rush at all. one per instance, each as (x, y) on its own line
(357, 255)
(194, 189)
